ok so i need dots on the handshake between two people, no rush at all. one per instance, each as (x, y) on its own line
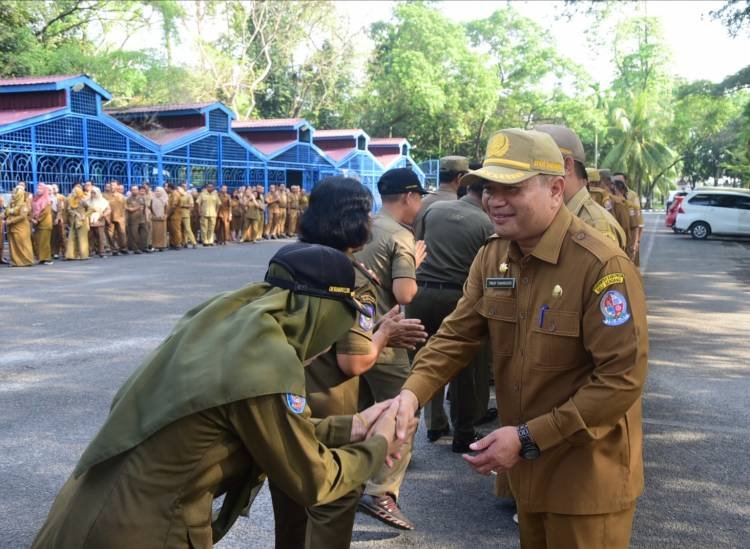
(380, 419)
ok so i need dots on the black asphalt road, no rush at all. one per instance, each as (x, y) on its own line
(72, 332)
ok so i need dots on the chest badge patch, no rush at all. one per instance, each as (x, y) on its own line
(614, 307)
(296, 403)
(365, 319)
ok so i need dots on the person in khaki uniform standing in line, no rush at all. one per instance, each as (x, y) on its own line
(283, 205)
(636, 216)
(340, 218)
(452, 168)
(393, 257)
(565, 311)
(77, 246)
(208, 202)
(117, 230)
(174, 216)
(292, 215)
(577, 197)
(620, 210)
(187, 206)
(272, 207)
(137, 235)
(201, 418)
(597, 192)
(59, 227)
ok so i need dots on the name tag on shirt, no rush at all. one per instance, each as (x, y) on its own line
(503, 283)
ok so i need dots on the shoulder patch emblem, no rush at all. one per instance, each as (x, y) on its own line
(296, 403)
(608, 280)
(614, 307)
(365, 319)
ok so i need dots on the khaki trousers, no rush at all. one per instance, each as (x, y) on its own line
(174, 227)
(292, 220)
(208, 225)
(187, 232)
(280, 223)
(59, 239)
(137, 236)
(555, 531)
(117, 239)
(78, 242)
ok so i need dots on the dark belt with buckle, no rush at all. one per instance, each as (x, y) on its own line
(440, 285)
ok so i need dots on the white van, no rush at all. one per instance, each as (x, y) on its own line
(714, 211)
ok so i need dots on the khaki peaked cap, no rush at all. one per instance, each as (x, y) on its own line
(515, 155)
(454, 164)
(567, 141)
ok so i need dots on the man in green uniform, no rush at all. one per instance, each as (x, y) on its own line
(577, 197)
(452, 168)
(216, 409)
(565, 311)
(453, 233)
(393, 257)
(339, 216)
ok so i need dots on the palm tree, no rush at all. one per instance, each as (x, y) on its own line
(639, 150)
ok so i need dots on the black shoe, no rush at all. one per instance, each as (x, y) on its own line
(491, 415)
(385, 509)
(137, 252)
(461, 445)
(124, 252)
(435, 434)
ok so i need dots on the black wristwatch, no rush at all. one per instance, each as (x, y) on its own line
(529, 448)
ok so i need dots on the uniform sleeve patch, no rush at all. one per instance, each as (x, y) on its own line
(365, 319)
(614, 307)
(296, 403)
(609, 280)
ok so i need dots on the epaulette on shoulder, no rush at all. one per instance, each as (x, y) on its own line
(595, 242)
(367, 273)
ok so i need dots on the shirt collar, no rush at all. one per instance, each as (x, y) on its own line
(575, 204)
(447, 188)
(548, 247)
(471, 200)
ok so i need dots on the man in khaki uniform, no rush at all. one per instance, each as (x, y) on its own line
(452, 168)
(283, 194)
(636, 216)
(187, 205)
(566, 315)
(208, 202)
(224, 217)
(620, 210)
(393, 257)
(200, 419)
(117, 224)
(597, 192)
(292, 216)
(135, 206)
(577, 197)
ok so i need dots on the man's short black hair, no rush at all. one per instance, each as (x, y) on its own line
(338, 214)
(580, 170)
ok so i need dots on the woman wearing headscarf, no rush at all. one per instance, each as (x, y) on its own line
(42, 219)
(99, 211)
(159, 219)
(78, 211)
(218, 407)
(18, 228)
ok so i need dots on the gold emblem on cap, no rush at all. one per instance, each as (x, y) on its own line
(498, 146)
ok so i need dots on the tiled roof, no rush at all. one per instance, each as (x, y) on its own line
(268, 123)
(27, 80)
(9, 116)
(163, 136)
(145, 109)
(336, 152)
(269, 144)
(333, 134)
(385, 141)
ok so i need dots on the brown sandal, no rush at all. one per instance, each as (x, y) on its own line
(385, 509)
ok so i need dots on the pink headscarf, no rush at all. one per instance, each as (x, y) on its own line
(41, 200)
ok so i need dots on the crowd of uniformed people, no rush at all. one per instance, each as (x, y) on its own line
(90, 221)
(519, 270)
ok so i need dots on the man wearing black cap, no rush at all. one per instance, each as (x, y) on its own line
(393, 256)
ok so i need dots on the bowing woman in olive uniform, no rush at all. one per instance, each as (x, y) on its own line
(216, 409)
(18, 228)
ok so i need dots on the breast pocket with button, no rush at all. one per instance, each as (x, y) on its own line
(500, 313)
(556, 343)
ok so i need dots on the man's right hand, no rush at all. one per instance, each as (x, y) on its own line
(420, 252)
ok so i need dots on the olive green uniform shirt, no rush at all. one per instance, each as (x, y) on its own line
(591, 213)
(390, 254)
(570, 354)
(160, 493)
(445, 192)
(453, 232)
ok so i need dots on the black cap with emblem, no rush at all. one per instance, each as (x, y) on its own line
(399, 181)
(318, 271)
